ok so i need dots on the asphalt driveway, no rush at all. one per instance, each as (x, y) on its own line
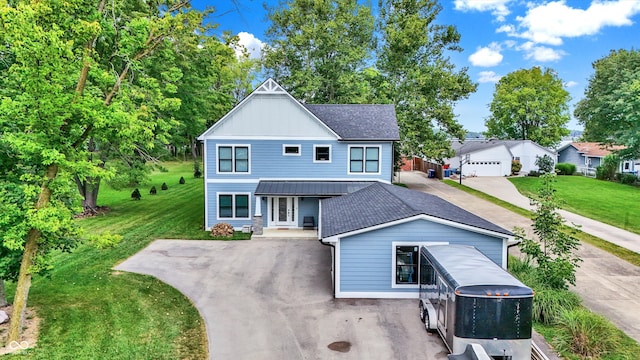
(271, 299)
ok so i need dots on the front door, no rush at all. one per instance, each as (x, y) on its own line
(284, 211)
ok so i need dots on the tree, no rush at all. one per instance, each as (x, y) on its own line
(61, 91)
(529, 104)
(316, 49)
(554, 251)
(610, 109)
(545, 163)
(423, 84)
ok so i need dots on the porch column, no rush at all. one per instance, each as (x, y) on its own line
(257, 217)
(258, 206)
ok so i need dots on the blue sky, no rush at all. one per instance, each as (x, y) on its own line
(498, 37)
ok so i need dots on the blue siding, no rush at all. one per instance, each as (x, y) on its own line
(571, 155)
(212, 202)
(365, 259)
(267, 161)
(308, 207)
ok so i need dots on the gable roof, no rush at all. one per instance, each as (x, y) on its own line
(593, 149)
(359, 122)
(344, 121)
(381, 203)
(471, 146)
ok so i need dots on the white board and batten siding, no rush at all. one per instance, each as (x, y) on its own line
(365, 267)
(495, 161)
(528, 152)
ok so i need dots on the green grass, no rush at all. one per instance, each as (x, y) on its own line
(89, 311)
(611, 203)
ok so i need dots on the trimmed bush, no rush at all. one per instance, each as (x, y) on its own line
(164, 186)
(627, 179)
(196, 170)
(153, 190)
(515, 167)
(135, 195)
(544, 163)
(565, 169)
(550, 304)
(181, 180)
(534, 173)
(586, 334)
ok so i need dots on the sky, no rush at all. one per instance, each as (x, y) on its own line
(498, 37)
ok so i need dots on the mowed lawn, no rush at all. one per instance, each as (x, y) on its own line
(605, 201)
(89, 311)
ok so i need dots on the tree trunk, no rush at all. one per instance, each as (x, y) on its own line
(88, 189)
(30, 249)
(3, 295)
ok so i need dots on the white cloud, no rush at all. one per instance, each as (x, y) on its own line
(488, 77)
(497, 7)
(550, 22)
(540, 53)
(252, 44)
(487, 56)
(570, 83)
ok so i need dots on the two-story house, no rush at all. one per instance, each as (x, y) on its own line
(274, 163)
(270, 160)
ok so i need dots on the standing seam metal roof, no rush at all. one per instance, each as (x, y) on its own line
(309, 188)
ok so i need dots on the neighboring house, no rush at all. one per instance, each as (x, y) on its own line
(271, 158)
(273, 163)
(587, 156)
(376, 234)
(494, 157)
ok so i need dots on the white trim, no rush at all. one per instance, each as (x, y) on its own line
(505, 253)
(288, 224)
(364, 159)
(419, 244)
(256, 180)
(272, 84)
(206, 190)
(322, 161)
(285, 146)
(233, 205)
(271, 137)
(233, 159)
(258, 206)
(378, 295)
(232, 181)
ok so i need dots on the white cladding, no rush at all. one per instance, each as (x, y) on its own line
(270, 115)
(495, 161)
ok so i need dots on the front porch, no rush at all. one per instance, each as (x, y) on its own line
(300, 234)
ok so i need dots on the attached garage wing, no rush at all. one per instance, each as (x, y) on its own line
(483, 168)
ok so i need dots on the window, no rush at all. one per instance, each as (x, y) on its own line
(233, 206)
(321, 153)
(364, 159)
(291, 150)
(233, 159)
(407, 264)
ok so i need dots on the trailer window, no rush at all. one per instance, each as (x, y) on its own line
(489, 318)
(406, 264)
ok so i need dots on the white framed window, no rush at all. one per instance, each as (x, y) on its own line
(291, 149)
(405, 263)
(233, 159)
(364, 159)
(321, 153)
(234, 206)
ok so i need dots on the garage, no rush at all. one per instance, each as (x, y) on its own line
(483, 168)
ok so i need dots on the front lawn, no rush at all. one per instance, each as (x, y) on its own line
(89, 311)
(611, 203)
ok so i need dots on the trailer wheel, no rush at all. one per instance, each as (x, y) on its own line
(422, 311)
(425, 318)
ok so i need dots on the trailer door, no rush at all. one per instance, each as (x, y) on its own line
(442, 305)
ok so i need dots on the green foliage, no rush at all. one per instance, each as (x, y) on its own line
(550, 304)
(607, 171)
(516, 166)
(610, 107)
(153, 190)
(104, 240)
(586, 334)
(529, 104)
(565, 169)
(627, 179)
(196, 170)
(554, 250)
(544, 163)
(135, 195)
(181, 181)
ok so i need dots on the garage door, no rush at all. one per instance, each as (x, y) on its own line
(483, 168)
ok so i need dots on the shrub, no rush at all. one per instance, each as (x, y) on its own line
(135, 195)
(550, 304)
(565, 169)
(544, 163)
(153, 190)
(534, 173)
(515, 166)
(627, 179)
(196, 170)
(586, 334)
(181, 180)
(222, 230)
(164, 186)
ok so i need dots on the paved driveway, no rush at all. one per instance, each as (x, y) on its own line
(271, 299)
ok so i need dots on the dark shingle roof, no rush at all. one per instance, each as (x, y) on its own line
(382, 203)
(359, 122)
(309, 188)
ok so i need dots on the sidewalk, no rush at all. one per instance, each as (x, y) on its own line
(503, 189)
(606, 284)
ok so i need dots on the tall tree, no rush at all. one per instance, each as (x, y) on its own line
(610, 109)
(61, 91)
(423, 84)
(316, 48)
(529, 104)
